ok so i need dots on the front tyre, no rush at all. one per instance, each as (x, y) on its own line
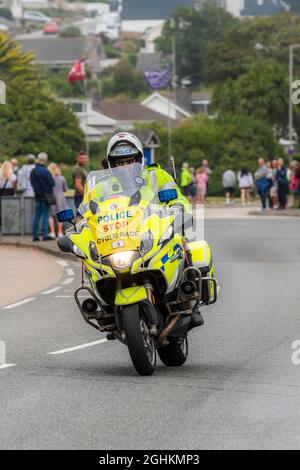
(175, 354)
(140, 344)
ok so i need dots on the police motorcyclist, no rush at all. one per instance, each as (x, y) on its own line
(125, 149)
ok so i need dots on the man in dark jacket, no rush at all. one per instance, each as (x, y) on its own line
(283, 185)
(42, 183)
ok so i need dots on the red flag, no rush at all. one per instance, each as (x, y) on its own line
(77, 72)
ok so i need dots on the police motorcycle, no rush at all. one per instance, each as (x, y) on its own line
(145, 282)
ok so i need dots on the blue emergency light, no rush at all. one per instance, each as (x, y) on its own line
(66, 215)
(167, 195)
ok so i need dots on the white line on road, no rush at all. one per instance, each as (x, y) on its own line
(63, 296)
(68, 280)
(62, 263)
(81, 346)
(5, 366)
(17, 304)
(70, 272)
(50, 291)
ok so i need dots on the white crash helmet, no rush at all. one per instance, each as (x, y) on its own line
(124, 145)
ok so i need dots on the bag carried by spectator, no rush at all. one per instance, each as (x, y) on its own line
(6, 191)
(50, 199)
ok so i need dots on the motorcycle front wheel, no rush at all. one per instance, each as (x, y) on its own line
(140, 344)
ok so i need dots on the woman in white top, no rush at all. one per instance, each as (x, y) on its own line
(24, 176)
(7, 178)
(246, 184)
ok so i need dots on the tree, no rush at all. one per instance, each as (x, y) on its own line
(32, 121)
(124, 79)
(248, 41)
(261, 91)
(193, 32)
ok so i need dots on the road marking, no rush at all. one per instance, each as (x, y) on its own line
(70, 272)
(5, 366)
(50, 291)
(62, 263)
(81, 346)
(71, 296)
(68, 280)
(17, 304)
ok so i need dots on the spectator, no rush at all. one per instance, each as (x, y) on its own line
(246, 184)
(202, 180)
(185, 179)
(281, 178)
(79, 174)
(274, 189)
(42, 183)
(59, 189)
(229, 183)
(24, 176)
(8, 180)
(14, 163)
(207, 171)
(262, 183)
(295, 183)
(192, 187)
(270, 178)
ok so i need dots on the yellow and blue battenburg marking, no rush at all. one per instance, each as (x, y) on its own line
(177, 248)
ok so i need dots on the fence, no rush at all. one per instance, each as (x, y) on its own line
(17, 214)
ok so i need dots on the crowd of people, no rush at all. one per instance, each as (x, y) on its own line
(272, 182)
(45, 183)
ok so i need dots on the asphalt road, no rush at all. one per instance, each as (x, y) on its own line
(239, 388)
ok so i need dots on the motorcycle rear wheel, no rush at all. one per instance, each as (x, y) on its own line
(175, 354)
(140, 344)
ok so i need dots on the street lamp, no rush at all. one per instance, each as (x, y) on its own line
(291, 79)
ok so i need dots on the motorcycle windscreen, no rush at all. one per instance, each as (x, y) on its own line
(117, 226)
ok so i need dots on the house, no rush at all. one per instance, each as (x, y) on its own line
(94, 124)
(166, 105)
(139, 15)
(262, 7)
(200, 101)
(129, 113)
(58, 52)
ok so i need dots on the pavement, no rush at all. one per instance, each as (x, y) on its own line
(63, 386)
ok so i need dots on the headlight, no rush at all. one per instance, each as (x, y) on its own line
(167, 235)
(122, 260)
(146, 242)
(78, 252)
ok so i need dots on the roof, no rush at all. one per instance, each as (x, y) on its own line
(129, 111)
(166, 96)
(55, 50)
(154, 10)
(265, 7)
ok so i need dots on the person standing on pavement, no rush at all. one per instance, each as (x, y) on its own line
(59, 189)
(246, 184)
(79, 174)
(229, 183)
(202, 180)
(282, 181)
(8, 180)
(274, 188)
(207, 171)
(24, 176)
(185, 179)
(262, 182)
(42, 183)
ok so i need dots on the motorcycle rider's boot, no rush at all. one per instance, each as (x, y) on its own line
(196, 319)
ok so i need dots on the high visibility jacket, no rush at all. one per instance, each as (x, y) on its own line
(156, 180)
(186, 178)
